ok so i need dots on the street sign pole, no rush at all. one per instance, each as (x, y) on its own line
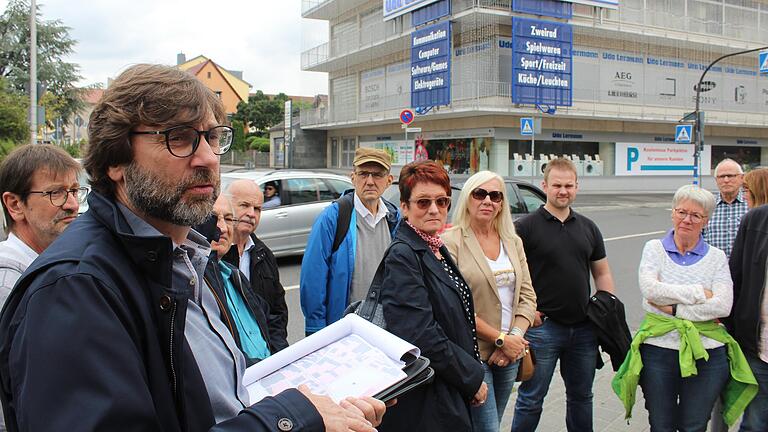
(533, 150)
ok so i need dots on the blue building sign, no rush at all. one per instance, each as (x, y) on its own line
(763, 62)
(542, 62)
(552, 8)
(432, 12)
(395, 8)
(431, 66)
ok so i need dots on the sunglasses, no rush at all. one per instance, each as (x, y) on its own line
(425, 203)
(480, 194)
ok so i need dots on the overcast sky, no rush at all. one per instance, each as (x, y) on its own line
(262, 38)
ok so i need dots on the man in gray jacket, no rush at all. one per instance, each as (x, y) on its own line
(41, 196)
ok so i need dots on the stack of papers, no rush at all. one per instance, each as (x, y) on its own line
(351, 357)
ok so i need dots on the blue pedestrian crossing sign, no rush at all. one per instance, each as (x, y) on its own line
(526, 126)
(683, 134)
(763, 60)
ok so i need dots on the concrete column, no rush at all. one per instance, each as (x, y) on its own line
(498, 160)
(608, 156)
(763, 157)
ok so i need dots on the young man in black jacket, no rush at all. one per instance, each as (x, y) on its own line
(110, 328)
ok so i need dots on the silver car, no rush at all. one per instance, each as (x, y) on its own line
(303, 195)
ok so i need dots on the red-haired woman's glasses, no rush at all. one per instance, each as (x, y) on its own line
(480, 194)
(425, 203)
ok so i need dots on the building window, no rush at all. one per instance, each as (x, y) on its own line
(347, 152)
(334, 153)
(218, 94)
(209, 75)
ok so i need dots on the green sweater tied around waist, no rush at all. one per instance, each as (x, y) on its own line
(738, 393)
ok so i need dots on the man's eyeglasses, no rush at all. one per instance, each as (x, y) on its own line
(682, 214)
(377, 175)
(229, 220)
(480, 194)
(59, 197)
(182, 141)
(426, 203)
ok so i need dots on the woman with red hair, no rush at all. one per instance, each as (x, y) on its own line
(426, 302)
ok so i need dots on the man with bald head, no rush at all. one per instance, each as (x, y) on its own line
(730, 208)
(245, 312)
(254, 258)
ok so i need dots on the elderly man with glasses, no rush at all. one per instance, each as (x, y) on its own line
(730, 206)
(347, 242)
(245, 312)
(41, 197)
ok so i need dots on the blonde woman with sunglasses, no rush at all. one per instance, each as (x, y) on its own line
(491, 258)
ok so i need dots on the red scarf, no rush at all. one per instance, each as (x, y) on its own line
(434, 242)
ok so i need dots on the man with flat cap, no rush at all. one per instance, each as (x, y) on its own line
(339, 264)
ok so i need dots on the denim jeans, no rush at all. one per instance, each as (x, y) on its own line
(576, 348)
(500, 381)
(756, 415)
(681, 404)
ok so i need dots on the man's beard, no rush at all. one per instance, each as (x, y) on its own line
(155, 197)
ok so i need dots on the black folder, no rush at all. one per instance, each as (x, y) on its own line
(418, 373)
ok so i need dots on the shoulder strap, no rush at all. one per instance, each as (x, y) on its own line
(342, 222)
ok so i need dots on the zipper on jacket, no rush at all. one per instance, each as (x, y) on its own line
(172, 362)
(221, 304)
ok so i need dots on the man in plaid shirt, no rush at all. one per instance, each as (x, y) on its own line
(730, 207)
(721, 231)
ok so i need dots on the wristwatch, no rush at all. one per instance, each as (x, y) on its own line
(499, 342)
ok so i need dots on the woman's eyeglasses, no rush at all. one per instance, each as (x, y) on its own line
(480, 194)
(682, 214)
(425, 203)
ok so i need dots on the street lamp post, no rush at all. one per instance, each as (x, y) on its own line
(698, 126)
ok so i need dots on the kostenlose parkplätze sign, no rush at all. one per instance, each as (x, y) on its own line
(431, 66)
(542, 62)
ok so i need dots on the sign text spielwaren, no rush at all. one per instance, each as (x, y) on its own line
(541, 62)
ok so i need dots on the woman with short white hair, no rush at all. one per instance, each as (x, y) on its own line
(681, 355)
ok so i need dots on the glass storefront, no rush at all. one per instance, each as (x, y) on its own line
(460, 155)
(557, 148)
(748, 157)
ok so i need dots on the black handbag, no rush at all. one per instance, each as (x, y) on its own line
(370, 307)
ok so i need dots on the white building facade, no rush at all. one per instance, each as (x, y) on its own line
(629, 77)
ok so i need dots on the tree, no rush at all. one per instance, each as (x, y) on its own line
(261, 112)
(13, 115)
(238, 142)
(53, 44)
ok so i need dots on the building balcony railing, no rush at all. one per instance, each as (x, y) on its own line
(348, 42)
(308, 5)
(314, 56)
(489, 97)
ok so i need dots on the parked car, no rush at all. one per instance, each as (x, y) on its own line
(523, 197)
(303, 195)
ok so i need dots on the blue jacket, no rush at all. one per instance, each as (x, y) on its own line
(326, 278)
(95, 326)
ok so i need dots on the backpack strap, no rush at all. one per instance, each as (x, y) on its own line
(346, 206)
